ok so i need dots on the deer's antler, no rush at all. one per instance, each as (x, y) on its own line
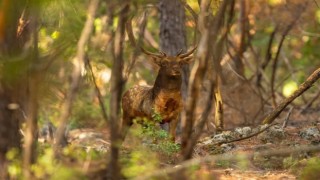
(153, 54)
(187, 53)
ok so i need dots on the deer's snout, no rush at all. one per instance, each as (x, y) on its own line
(175, 71)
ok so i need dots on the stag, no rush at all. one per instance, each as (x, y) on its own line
(163, 98)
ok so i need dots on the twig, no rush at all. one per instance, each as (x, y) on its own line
(267, 58)
(100, 98)
(134, 44)
(310, 103)
(194, 14)
(285, 122)
(275, 61)
(315, 1)
(195, 18)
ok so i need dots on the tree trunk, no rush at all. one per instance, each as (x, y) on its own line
(12, 75)
(116, 92)
(173, 34)
(243, 28)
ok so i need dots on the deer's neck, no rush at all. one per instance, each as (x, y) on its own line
(167, 84)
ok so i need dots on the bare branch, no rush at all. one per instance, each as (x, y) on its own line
(100, 98)
(244, 138)
(284, 103)
(285, 122)
(309, 104)
(134, 44)
(267, 58)
(275, 61)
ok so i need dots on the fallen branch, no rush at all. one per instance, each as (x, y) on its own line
(284, 103)
(243, 138)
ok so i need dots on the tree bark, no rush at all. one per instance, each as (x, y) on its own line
(173, 34)
(12, 88)
(31, 132)
(196, 77)
(243, 28)
(208, 41)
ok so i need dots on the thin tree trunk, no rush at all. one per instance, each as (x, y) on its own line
(209, 39)
(243, 27)
(78, 63)
(276, 58)
(117, 82)
(30, 139)
(196, 77)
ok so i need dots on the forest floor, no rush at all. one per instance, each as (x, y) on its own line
(301, 130)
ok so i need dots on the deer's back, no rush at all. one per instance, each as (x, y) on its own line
(137, 102)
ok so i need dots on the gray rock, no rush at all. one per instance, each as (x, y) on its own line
(311, 133)
(272, 135)
(243, 131)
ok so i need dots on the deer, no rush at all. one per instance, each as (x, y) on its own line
(163, 98)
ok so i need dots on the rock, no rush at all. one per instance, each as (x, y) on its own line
(224, 136)
(221, 149)
(227, 147)
(243, 131)
(272, 135)
(311, 133)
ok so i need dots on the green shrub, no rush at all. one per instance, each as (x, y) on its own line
(312, 170)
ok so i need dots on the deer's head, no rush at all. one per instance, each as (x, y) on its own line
(171, 65)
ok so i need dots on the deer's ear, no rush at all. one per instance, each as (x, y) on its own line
(156, 60)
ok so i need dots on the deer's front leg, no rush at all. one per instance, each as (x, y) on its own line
(172, 129)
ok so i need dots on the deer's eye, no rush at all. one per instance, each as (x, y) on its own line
(164, 63)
